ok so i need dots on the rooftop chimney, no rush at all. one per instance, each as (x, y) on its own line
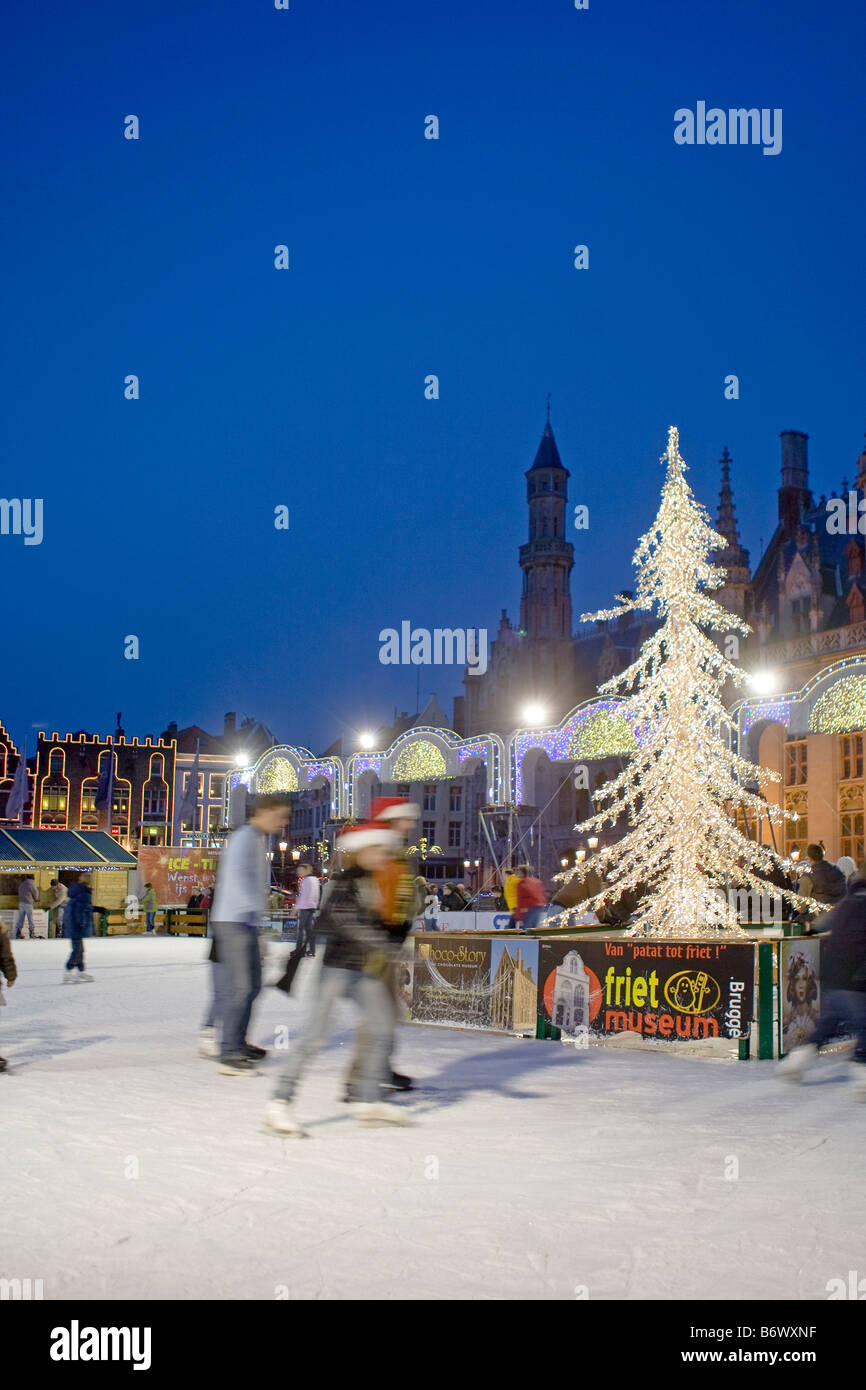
(230, 723)
(794, 494)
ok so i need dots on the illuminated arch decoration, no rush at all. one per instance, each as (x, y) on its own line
(841, 708)
(289, 769)
(771, 711)
(831, 701)
(605, 734)
(278, 775)
(480, 748)
(420, 761)
(425, 754)
(594, 730)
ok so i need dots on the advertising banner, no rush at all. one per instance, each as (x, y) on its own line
(671, 990)
(474, 983)
(176, 872)
(799, 990)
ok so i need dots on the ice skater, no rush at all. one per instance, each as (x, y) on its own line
(843, 988)
(9, 971)
(77, 924)
(401, 902)
(240, 903)
(355, 966)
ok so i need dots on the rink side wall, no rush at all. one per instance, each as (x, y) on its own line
(744, 998)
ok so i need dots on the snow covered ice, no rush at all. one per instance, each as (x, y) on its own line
(133, 1169)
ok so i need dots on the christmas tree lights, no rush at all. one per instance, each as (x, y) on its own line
(680, 791)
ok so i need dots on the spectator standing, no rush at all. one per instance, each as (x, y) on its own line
(28, 897)
(149, 905)
(57, 908)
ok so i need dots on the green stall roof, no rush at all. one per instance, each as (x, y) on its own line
(43, 849)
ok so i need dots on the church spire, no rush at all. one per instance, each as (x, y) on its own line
(727, 521)
(547, 454)
(734, 558)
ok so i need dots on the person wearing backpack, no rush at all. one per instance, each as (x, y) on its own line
(356, 965)
(821, 881)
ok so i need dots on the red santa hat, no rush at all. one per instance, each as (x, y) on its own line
(362, 836)
(386, 808)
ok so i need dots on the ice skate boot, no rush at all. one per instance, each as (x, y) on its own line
(797, 1063)
(237, 1066)
(378, 1112)
(207, 1043)
(280, 1119)
(398, 1082)
(84, 978)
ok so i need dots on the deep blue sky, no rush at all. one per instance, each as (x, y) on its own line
(407, 257)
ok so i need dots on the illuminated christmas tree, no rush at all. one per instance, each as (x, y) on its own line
(683, 785)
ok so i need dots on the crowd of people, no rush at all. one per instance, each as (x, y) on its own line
(364, 913)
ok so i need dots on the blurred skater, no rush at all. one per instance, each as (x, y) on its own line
(531, 900)
(843, 987)
(401, 902)
(356, 961)
(240, 903)
(77, 924)
(9, 971)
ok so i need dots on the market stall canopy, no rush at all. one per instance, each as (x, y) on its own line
(61, 849)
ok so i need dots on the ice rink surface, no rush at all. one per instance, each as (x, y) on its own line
(133, 1169)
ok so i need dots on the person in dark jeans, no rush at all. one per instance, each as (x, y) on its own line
(77, 924)
(240, 902)
(306, 907)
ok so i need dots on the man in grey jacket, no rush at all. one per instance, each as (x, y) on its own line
(240, 901)
(28, 897)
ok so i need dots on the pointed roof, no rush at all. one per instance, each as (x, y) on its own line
(733, 555)
(432, 716)
(548, 454)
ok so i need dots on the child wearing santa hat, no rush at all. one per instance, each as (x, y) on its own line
(355, 965)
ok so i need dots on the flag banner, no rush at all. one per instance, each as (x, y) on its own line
(189, 805)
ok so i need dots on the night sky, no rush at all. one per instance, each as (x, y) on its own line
(407, 257)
